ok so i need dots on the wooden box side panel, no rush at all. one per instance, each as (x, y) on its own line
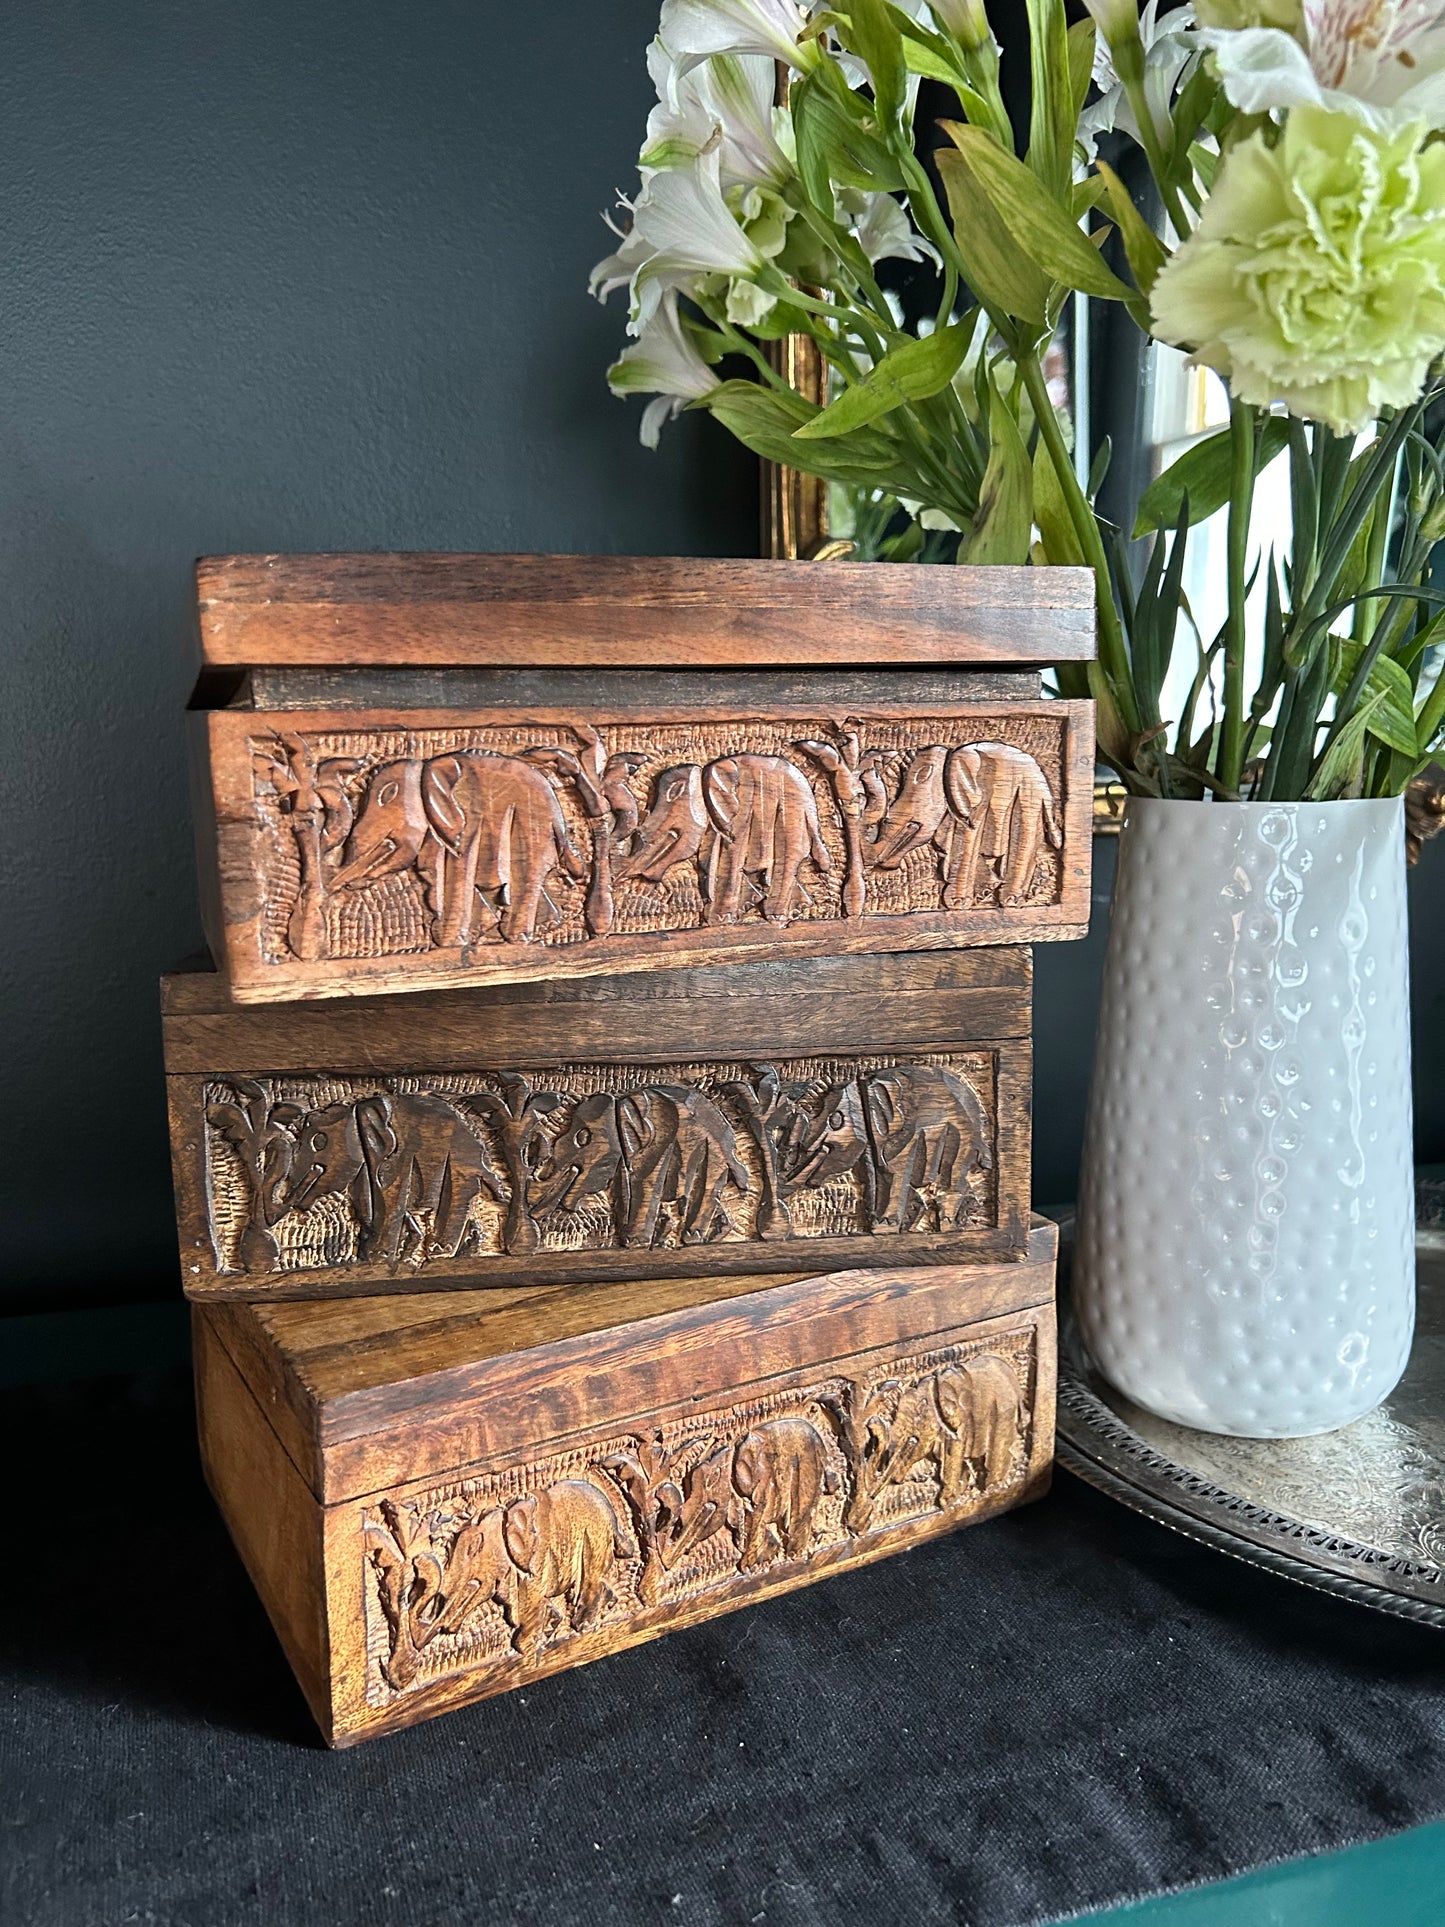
(779, 1006)
(273, 1518)
(369, 852)
(332, 1182)
(645, 611)
(457, 1588)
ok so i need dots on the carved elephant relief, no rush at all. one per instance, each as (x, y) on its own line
(763, 1489)
(987, 809)
(917, 1134)
(666, 1146)
(547, 1559)
(396, 1157)
(484, 831)
(565, 1541)
(749, 822)
(965, 1417)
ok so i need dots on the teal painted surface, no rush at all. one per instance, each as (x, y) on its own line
(1398, 1882)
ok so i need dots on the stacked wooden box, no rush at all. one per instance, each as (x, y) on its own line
(602, 1144)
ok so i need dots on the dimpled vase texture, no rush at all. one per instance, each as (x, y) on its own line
(1245, 1257)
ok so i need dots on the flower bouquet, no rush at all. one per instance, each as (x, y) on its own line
(1260, 183)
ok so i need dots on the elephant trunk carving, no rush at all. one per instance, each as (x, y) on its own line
(485, 831)
(665, 1147)
(916, 1134)
(749, 823)
(988, 811)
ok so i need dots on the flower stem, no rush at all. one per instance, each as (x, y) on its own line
(1241, 499)
(1113, 651)
(1154, 153)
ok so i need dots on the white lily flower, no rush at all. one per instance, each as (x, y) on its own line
(697, 29)
(691, 232)
(1383, 60)
(883, 229)
(662, 362)
(618, 269)
(1171, 47)
(728, 100)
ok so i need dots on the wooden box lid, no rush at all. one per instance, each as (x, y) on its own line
(367, 1393)
(657, 612)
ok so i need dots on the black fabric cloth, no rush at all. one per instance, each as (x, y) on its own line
(1059, 1710)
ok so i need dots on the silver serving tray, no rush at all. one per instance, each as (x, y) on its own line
(1359, 1512)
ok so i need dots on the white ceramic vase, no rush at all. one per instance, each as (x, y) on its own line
(1245, 1251)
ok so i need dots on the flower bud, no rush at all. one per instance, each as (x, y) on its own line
(966, 20)
(1118, 24)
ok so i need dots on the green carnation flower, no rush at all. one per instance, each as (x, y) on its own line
(1316, 276)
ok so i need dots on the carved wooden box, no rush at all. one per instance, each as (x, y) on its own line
(748, 1118)
(428, 771)
(442, 1498)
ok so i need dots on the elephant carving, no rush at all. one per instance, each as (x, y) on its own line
(966, 1415)
(981, 1405)
(779, 1473)
(396, 1156)
(985, 807)
(485, 832)
(665, 1145)
(917, 1133)
(763, 1490)
(565, 1542)
(748, 822)
(477, 1571)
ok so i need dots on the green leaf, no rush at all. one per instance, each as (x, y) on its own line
(870, 33)
(764, 419)
(1081, 66)
(1051, 121)
(929, 54)
(1191, 110)
(1039, 225)
(1146, 252)
(1389, 691)
(911, 373)
(1005, 280)
(1202, 473)
(1099, 468)
(1056, 527)
(1343, 763)
(836, 141)
(1002, 528)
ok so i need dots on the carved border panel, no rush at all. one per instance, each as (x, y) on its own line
(449, 847)
(592, 1170)
(497, 1576)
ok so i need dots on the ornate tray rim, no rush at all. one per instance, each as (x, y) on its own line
(1098, 1446)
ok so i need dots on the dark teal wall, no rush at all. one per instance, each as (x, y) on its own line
(271, 277)
(294, 277)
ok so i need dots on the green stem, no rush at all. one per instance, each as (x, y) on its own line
(1241, 500)
(1154, 153)
(739, 344)
(1367, 614)
(1113, 651)
(1431, 720)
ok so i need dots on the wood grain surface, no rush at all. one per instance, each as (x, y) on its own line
(750, 1118)
(658, 612)
(347, 852)
(440, 1499)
